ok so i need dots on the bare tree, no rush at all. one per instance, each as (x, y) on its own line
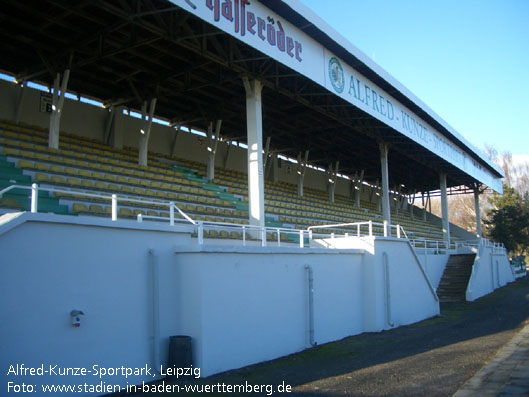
(461, 209)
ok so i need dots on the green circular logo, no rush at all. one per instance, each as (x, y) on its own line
(336, 75)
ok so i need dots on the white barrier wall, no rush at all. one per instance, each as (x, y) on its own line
(246, 304)
(433, 264)
(51, 265)
(397, 290)
(491, 270)
(240, 305)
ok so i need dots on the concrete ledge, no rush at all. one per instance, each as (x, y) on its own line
(212, 249)
(12, 220)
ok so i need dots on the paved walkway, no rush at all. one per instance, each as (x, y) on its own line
(506, 375)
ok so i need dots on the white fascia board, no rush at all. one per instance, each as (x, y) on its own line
(323, 26)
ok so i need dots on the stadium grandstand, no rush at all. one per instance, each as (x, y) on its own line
(232, 172)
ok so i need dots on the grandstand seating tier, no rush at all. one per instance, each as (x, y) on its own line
(89, 165)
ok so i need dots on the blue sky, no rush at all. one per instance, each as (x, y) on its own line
(467, 60)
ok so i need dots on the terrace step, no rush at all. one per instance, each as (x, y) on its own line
(454, 282)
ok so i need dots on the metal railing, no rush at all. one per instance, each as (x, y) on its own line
(255, 233)
(248, 232)
(113, 198)
(251, 233)
(426, 244)
(359, 229)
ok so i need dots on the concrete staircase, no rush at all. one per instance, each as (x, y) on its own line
(454, 282)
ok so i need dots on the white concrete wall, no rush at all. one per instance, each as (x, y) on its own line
(412, 297)
(254, 302)
(434, 265)
(50, 265)
(240, 305)
(491, 270)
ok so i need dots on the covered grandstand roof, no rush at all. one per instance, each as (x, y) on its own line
(124, 52)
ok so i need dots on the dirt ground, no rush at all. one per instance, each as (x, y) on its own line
(431, 358)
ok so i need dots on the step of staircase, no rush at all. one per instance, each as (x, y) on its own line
(453, 284)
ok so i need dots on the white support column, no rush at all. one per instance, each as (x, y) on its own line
(332, 180)
(397, 198)
(56, 108)
(20, 102)
(275, 168)
(386, 213)
(108, 124)
(444, 208)
(424, 204)
(478, 213)
(302, 167)
(411, 202)
(175, 139)
(358, 189)
(266, 153)
(226, 155)
(145, 132)
(352, 185)
(212, 148)
(254, 123)
(115, 123)
(373, 193)
(266, 159)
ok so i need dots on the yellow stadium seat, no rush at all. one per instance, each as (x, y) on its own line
(24, 164)
(41, 156)
(73, 182)
(39, 178)
(87, 184)
(96, 209)
(125, 212)
(172, 196)
(57, 179)
(79, 208)
(137, 212)
(9, 202)
(26, 154)
(213, 234)
(100, 185)
(68, 161)
(70, 171)
(55, 168)
(82, 163)
(236, 235)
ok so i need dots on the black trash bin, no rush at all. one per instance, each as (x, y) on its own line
(180, 356)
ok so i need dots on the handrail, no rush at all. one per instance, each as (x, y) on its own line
(246, 228)
(114, 198)
(358, 226)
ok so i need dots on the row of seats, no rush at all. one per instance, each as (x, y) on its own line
(88, 164)
(315, 208)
